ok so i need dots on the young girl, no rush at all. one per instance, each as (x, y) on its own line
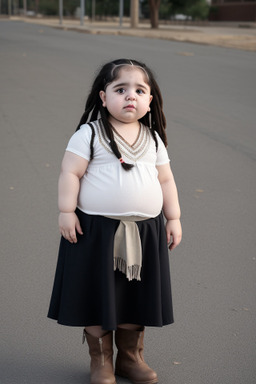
(113, 267)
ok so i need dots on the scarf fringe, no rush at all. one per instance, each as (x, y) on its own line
(131, 272)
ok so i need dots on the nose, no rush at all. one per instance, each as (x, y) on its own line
(131, 96)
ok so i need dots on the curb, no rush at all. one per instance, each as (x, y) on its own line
(229, 38)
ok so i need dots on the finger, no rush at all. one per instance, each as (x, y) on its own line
(79, 228)
(67, 236)
(172, 246)
(176, 241)
(72, 237)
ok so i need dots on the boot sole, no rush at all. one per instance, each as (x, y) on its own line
(120, 374)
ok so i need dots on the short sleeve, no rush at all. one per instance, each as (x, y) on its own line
(80, 142)
(162, 154)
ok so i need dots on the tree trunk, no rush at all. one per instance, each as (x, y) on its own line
(154, 12)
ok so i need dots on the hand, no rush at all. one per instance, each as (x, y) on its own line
(174, 233)
(68, 225)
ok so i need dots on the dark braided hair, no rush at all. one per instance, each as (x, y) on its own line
(93, 108)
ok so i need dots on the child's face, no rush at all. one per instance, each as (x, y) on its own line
(128, 97)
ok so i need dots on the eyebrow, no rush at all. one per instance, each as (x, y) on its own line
(127, 84)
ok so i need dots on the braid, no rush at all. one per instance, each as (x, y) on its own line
(158, 120)
(92, 141)
(112, 143)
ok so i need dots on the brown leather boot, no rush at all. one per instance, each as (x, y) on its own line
(130, 361)
(101, 352)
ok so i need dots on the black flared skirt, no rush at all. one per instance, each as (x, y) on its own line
(87, 291)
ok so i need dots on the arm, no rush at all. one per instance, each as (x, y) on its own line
(72, 169)
(171, 207)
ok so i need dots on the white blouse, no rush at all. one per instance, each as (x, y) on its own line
(106, 188)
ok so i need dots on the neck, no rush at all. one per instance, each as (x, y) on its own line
(123, 126)
(129, 132)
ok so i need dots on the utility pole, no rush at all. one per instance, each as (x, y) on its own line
(134, 13)
(82, 7)
(121, 12)
(61, 11)
(25, 7)
(9, 7)
(15, 9)
(93, 10)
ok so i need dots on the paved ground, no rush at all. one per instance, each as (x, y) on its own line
(239, 36)
(209, 95)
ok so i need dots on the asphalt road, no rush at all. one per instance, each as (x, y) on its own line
(209, 95)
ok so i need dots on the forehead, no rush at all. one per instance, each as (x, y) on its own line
(132, 72)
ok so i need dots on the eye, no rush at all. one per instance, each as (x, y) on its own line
(120, 91)
(140, 91)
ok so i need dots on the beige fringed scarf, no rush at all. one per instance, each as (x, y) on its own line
(127, 246)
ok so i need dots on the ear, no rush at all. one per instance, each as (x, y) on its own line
(103, 98)
(150, 99)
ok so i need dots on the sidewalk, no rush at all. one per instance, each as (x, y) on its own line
(224, 36)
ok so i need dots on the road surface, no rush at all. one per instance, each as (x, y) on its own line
(209, 99)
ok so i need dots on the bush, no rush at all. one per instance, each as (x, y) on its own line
(51, 7)
(199, 10)
(48, 7)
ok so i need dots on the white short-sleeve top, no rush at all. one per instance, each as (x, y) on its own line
(106, 188)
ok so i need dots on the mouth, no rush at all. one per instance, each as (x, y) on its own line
(130, 106)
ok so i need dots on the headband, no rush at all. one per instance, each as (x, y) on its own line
(127, 65)
(130, 64)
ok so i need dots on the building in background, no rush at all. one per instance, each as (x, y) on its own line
(233, 10)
